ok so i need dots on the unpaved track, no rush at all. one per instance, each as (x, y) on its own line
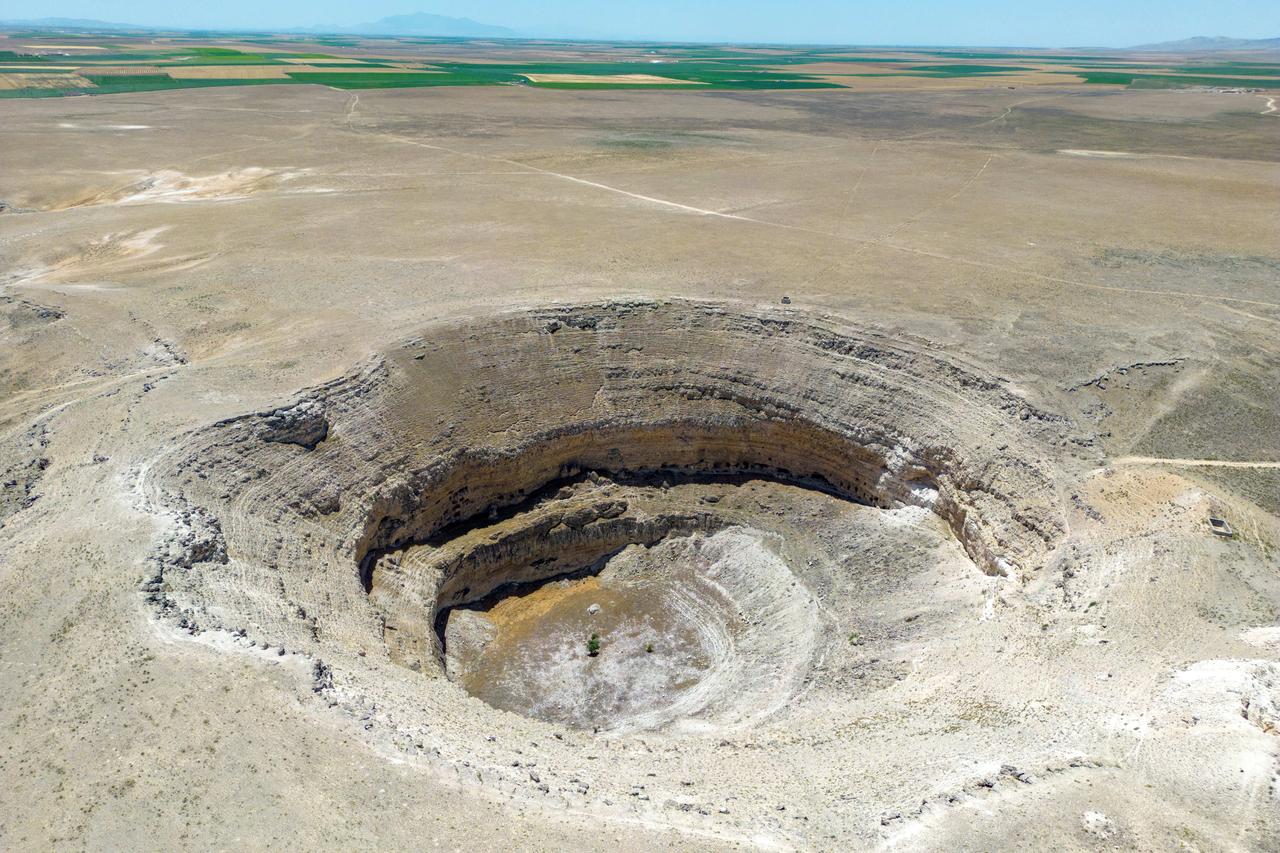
(866, 242)
(527, 167)
(1214, 463)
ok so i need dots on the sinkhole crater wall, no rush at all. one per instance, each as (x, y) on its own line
(290, 522)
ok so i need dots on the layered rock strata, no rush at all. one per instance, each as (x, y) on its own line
(315, 503)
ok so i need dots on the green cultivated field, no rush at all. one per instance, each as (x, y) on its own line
(1167, 81)
(688, 67)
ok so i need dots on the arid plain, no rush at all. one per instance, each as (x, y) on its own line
(1047, 313)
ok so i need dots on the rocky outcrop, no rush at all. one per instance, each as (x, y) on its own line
(303, 424)
(22, 464)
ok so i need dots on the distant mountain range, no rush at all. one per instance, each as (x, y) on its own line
(418, 24)
(427, 24)
(72, 24)
(1206, 43)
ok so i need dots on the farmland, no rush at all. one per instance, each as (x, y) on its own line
(94, 65)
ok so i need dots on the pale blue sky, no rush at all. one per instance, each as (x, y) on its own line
(1058, 23)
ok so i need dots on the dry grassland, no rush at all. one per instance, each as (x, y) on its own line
(41, 81)
(229, 72)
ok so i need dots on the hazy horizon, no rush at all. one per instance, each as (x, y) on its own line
(1081, 23)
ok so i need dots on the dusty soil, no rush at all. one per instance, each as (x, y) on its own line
(212, 410)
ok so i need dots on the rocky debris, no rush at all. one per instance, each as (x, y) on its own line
(1014, 773)
(303, 424)
(1260, 704)
(1100, 381)
(466, 634)
(579, 518)
(321, 677)
(987, 785)
(1089, 511)
(200, 541)
(23, 313)
(317, 499)
(22, 464)
(165, 353)
(195, 538)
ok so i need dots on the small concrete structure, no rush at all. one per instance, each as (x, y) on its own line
(1220, 527)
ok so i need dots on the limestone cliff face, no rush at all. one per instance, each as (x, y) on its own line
(433, 438)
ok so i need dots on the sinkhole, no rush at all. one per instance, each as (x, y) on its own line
(461, 514)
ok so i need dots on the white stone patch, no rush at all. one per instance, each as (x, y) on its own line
(905, 516)
(1097, 824)
(1264, 637)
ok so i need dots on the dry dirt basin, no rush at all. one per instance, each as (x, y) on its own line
(272, 259)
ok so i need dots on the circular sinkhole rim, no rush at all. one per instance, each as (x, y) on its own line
(294, 481)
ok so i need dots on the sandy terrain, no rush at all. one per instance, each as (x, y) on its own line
(288, 371)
